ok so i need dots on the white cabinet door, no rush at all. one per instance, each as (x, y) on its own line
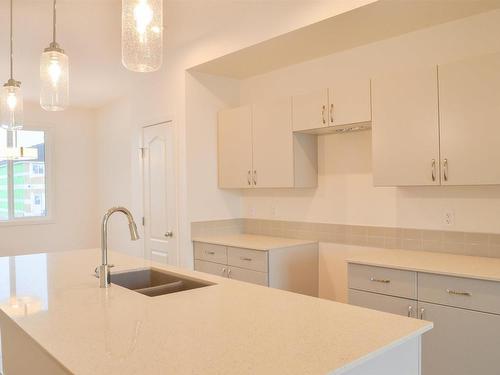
(273, 157)
(462, 342)
(350, 101)
(469, 102)
(310, 110)
(235, 147)
(405, 131)
(380, 302)
(211, 268)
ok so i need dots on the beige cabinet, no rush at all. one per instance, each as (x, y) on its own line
(257, 148)
(380, 302)
(462, 342)
(348, 101)
(469, 97)
(405, 128)
(273, 144)
(465, 312)
(235, 147)
(293, 268)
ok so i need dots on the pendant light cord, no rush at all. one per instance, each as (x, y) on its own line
(54, 23)
(11, 45)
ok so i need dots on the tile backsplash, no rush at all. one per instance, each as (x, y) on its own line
(465, 243)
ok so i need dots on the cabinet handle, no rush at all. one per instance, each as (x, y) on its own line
(249, 177)
(229, 273)
(422, 311)
(455, 293)
(445, 169)
(331, 113)
(210, 252)
(323, 113)
(410, 311)
(255, 177)
(383, 281)
(224, 270)
(433, 172)
(246, 259)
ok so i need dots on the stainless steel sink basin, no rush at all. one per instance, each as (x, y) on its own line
(153, 282)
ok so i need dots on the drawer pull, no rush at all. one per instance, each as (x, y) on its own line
(246, 259)
(383, 281)
(410, 311)
(210, 252)
(455, 293)
(422, 312)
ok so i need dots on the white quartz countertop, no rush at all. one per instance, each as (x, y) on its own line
(252, 241)
(445, 264)
(228, 328)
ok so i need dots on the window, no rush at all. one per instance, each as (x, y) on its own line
(23, 182)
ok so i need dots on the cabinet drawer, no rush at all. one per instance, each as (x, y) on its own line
(249, 276)
(211, 268)
(387, 281)
(389, 304)
(480, 295)
(210, 252)
(249, 259)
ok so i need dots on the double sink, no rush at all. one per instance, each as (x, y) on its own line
(153, 282)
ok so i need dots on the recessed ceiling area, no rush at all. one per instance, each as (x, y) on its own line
(370, 23)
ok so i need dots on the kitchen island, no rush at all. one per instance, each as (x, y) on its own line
(55, 319)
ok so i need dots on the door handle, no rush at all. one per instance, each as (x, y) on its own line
(433, 171)
(255, 177)
(249, 177)
(410, 311)
(422, 311)
(331, 113)
(169, 234)
(445, 169)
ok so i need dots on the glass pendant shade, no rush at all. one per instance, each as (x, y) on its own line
(142, 34)
(54, 79)
(11, 106)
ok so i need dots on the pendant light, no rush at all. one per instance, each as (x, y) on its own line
(11, 97)
(142, 34)
(54, 74)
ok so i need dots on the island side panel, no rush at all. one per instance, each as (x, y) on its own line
(295, 269)
(22, 355)
(403, 359)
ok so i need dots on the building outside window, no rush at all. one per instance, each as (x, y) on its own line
(23, 182)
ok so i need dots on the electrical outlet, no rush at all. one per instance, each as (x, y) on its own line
(449, 218)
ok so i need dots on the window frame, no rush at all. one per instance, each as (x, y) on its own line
(49, 185)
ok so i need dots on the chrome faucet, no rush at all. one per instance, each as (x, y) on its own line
(103, 270)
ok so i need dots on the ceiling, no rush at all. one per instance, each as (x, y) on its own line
(89, 31)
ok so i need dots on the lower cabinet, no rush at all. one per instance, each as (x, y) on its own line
(293, 268)
(389, 304)
(462, 342)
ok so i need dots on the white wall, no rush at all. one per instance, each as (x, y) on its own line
(74, 159)
(196, 31)
(345, 194)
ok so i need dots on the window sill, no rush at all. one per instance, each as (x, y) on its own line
(27, 221)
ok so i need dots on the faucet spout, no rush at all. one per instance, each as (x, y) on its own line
(103, 269)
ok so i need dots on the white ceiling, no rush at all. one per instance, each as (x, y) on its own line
(89, 31)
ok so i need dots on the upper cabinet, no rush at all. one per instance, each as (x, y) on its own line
(257, 148)
(469, 102)
(438, 126)
(235, 147)
(346, 103)
(405, 128)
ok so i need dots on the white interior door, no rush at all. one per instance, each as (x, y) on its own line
(160, 211)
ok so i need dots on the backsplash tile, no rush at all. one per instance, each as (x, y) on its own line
(463, 243)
